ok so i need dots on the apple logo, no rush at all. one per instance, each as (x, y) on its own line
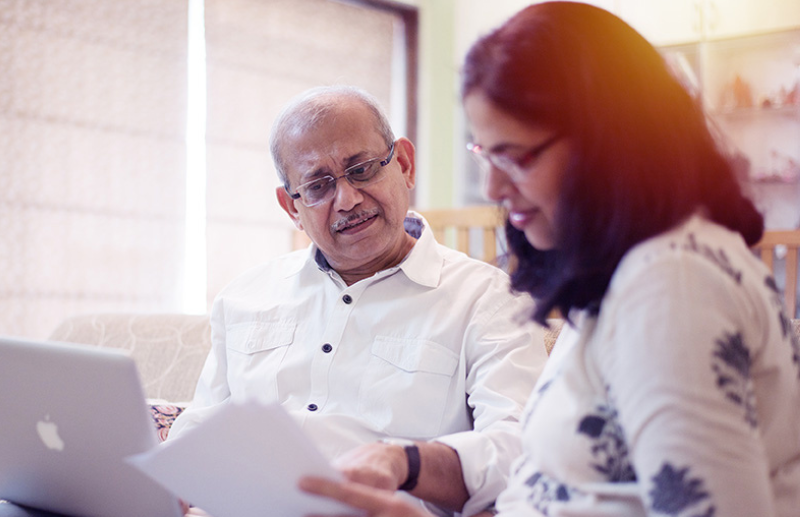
(48, 433)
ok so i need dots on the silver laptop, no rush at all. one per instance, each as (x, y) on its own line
(69, 415)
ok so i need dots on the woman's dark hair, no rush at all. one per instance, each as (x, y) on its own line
(643, 158)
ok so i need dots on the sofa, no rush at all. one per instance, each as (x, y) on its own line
(170, 349)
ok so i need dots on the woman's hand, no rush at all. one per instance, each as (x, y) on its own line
(375, 502)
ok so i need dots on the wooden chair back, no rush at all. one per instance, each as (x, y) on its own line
(478, 232)
(474, 230)
(782, 243)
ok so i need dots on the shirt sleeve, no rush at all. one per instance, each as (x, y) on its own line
(212, 386)
(679, 371)
(505, 355)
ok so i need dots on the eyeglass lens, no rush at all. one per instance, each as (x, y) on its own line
(320, 190)
(359, 176)
(515, 168)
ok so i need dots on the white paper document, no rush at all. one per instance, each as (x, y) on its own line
(244, 461)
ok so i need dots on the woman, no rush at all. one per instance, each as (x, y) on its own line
(676, 388)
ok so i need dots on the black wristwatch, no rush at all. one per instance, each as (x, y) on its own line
(412, 455)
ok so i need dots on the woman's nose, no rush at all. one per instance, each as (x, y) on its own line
(495, 183)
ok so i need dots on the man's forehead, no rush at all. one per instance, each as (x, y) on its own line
(313, 154)
(315, 162)
(332, 116)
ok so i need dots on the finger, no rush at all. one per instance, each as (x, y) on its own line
(337, 515)
(370, 478)
(376, 503)
(320, 486)
(351, 494)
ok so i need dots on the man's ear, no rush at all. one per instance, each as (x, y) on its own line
(404, 152)
(287, 203)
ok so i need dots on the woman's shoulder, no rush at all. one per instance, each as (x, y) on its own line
(697, 242)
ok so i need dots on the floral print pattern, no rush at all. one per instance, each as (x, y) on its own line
(538, 394)
(545, 490)
(651, 408)
(796, 352)
(163, 417)
(784, 321)
(716, 256)
(786, 325)
(732, 364)
(608, 444)
(674, 493)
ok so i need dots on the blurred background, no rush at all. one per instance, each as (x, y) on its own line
(134, 167)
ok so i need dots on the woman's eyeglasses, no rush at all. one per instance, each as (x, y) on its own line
(515, 167)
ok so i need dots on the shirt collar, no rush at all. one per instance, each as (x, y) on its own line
(423, 264)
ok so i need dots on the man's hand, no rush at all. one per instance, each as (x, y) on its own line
(378, 465)
(385, 466)
(376, 503)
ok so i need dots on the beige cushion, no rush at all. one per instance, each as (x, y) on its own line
(169, 349)
(551, 333)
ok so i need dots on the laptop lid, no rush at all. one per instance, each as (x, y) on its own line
(69, 416)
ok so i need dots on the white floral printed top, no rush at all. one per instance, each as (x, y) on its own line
(682, 398)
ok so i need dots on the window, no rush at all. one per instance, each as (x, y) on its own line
(93, 135)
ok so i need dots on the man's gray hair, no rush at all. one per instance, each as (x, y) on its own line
(309, 108)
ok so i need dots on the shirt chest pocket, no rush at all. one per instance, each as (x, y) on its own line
(406, 385)
(252, 338)
(255, 351)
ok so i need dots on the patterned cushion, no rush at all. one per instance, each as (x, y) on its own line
(163, 416)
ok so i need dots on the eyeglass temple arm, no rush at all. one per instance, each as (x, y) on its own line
(388, 158)
(295, 195)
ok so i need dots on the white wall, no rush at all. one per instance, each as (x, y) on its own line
(449, 27)
(447, 30)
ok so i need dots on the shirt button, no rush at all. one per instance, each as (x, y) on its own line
(347, 299)
(327, 347)
(312, 407)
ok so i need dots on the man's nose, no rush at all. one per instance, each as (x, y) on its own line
(346, 197)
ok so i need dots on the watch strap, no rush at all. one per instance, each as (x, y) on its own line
(414, 463)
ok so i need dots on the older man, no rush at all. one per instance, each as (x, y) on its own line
(375, 331)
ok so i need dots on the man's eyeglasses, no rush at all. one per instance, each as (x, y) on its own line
(515, 167)
(360, 175)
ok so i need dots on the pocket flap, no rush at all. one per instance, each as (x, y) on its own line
(249, 338)
(416, 355)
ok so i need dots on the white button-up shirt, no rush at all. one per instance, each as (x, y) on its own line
(434, 348)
